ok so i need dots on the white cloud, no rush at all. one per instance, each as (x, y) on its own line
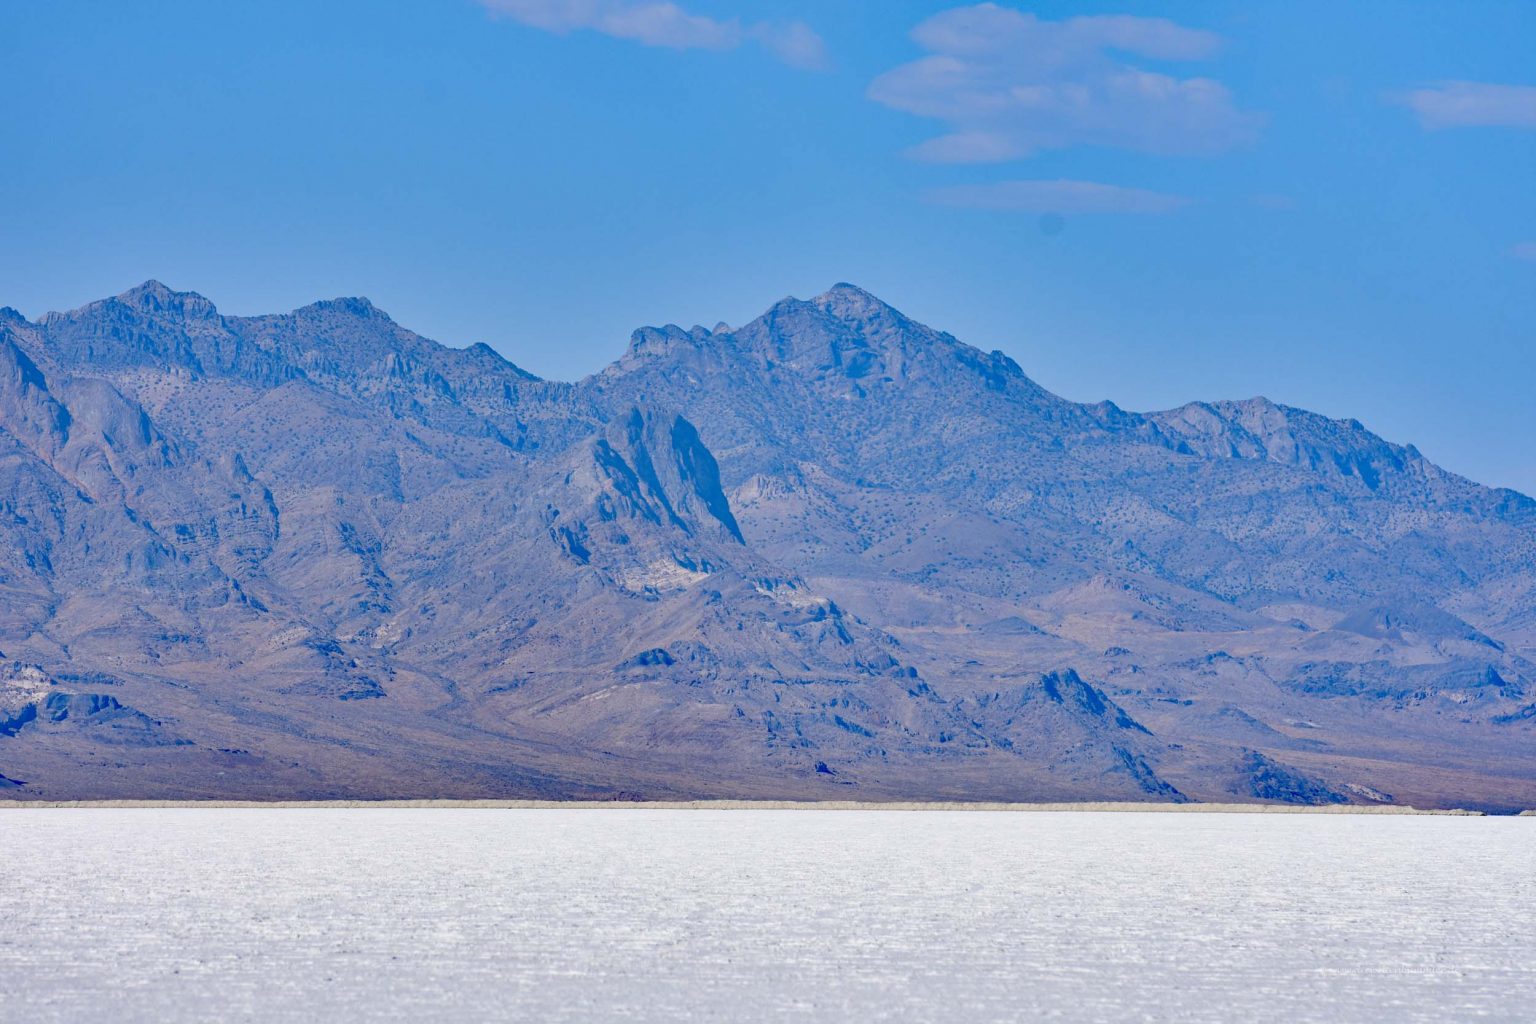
(1009, 84)
(1058, 196)
(1524, 251)
(1473, 104)
(793, 42)
(663, 23)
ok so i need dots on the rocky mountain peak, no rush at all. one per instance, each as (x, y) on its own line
(150, 303)
(648, 341)
(1257, 428)
(850, 302)
(354, 305)
(147, 326)
(153, 297)
(845, 339)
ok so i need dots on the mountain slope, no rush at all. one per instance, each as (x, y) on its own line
(939, 491)
(316, 554)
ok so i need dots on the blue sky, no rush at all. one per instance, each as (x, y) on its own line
(1329, 204)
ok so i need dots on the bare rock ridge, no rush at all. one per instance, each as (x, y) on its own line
(831, 553)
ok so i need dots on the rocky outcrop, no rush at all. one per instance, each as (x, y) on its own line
(1267, 779)
(1076, 729)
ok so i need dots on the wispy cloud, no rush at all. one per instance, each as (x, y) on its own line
(1009, 84)
(793, 42)
(1056, 196)
(663, 23)
(1524, 251)
(1473, 105)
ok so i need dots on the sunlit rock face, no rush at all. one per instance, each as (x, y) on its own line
(832, 553)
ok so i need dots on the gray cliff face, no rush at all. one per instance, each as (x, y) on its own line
(315, 554)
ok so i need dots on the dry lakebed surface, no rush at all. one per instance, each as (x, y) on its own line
(664, 914)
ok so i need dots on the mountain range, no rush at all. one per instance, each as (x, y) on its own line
(831, 554)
